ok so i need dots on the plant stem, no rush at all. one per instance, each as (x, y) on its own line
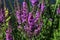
(56, 5)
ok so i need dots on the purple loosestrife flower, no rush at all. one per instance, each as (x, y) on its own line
(41, 23)
(58, 10)
(19, 27)
(26, 28)
(18, 16)
(32, 29)
(37, 16)
(8, 34)
(1, 15)
(30, 19)
(41, 6)
(24, 12)
(37, 31)
(33, 2)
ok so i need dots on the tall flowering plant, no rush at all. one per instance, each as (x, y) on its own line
(4, 18)
(42, 22)
(1, 15)
(30, 23)
(9, 32)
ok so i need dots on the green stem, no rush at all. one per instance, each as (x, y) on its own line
(29, 5)
(59, 23)
(11, 6)
(56, 4)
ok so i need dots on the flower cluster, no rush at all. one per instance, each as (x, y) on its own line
(32, 24)
(34, 2)
(1, 15)
(18, 16)
(58, 9)
(8, 34)
(24, 12)
(29, 21)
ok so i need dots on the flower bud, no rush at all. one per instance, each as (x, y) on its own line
(30, 19)
(8, 34)
(1, 16)
(34, 2)
(24, 12)
(18, 16)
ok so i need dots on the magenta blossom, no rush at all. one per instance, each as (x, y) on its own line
(1, 15)
(37, 16)
(24, 12)
(58, 10)
(8, 34)
(18, 16)
(42, 5)
(30, 19)
(33, 2)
